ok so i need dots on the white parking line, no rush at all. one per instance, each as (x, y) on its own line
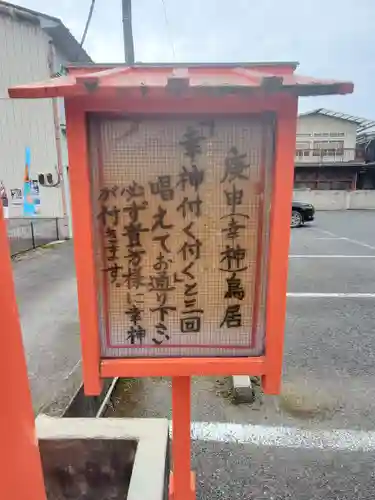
(321, 256)
(284, 437)
(356, 242)
(350, 240)
(330, 238)
(326, 232)
(308, 295)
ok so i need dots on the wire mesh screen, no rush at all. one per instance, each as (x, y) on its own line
(180, 217)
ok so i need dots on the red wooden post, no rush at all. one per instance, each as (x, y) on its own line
(182, 485)
(83, 248)
(20, 465)
(279, 245)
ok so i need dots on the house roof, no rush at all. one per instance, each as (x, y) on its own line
(283, 66)
(362, 123)
(53, 26)
(192, 79)
(365, 137)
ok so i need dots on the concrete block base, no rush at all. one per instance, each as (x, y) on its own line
(242, 389)
(104, 458)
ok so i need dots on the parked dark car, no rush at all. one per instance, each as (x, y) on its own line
(301, 213)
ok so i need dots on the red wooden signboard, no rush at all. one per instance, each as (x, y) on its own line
(181, 181)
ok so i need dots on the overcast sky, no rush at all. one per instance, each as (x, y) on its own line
(330, 38)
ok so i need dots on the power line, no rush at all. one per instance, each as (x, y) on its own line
(168, 29)
(88, 22)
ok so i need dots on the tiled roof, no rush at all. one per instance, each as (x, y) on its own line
(191, 79)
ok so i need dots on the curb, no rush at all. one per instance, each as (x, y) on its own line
(89, 406)
(242, 389)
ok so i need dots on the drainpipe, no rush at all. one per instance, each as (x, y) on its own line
(354, 181)
(56, 120)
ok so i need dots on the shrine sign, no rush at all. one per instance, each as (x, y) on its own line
(181, 182)
(180, 227)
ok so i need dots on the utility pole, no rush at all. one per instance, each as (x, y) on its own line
(128, 31)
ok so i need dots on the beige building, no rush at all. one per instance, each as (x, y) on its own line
(324, 134)
(333, 167)
(33, 46)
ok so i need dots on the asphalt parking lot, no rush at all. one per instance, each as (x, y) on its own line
(317, 439)
(328, 383)
(46, 291)
(329, 336)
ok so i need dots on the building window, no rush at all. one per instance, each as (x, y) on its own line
(329, 134)
(301, 154)
(328, 148)
(302, 149)
(341, 185)
(304, 185)
(323, 179)
(323, 185)
(304, 135)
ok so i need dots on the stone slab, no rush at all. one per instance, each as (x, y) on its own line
(150, 471)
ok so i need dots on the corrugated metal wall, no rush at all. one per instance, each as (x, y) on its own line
(26, 123)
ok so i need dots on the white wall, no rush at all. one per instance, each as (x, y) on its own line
(362, 199)
(319, 123)
(309, 125)
(26, 123)
(337, 200)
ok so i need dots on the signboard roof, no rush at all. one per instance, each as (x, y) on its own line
(97, 79)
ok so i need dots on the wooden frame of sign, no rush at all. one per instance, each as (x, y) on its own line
(268, 365)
